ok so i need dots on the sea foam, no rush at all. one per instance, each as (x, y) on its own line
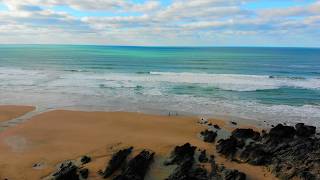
(135, 92)
(230, 82)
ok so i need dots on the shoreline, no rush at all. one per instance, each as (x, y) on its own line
(9, 112)
(65, 134)
(35, 110)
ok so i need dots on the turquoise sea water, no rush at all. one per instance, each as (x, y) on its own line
(282, 84)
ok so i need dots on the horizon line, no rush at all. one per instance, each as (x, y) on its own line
(152, 46)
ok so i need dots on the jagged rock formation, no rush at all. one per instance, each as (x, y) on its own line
(116, 162)
(208, 136)
(137, 167)
(289, 152)
(188, 169)
(69, 171)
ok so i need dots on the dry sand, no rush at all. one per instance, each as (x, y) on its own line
(12, 112)
(56, 136)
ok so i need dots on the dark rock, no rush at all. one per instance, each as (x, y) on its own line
(40, 165)
(221, 173)
(211, 158)
(203, 157)
(187, 171)
(84, 173)
(182, 171)
(281, 131)
(305, 175)
(203, 121)
(66, 172)
(85, 159)
(300, 155)
(214, 174)
(180, 153)
(137, 167)
(245, 134)
(305, 131)
(255, 154)
(208, 136)
(288, 152)
(233, 123)
(198, 173)
(183, 156)
(210, 124)
(233, 175)
(187, 168)
(216, 126)
(228, 147)
(116, 162)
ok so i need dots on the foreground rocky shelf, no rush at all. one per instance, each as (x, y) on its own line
(189, 169)
(182, 159)
(288, 152)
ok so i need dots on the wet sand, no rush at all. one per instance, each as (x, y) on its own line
(53, 137)
(12, 112)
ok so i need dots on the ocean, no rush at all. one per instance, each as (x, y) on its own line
(261, 84)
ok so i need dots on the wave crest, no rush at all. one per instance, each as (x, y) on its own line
(239, 82)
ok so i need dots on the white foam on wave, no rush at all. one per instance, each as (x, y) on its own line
(62, 88)
(20, 77)
(233, 82)
(238, 82)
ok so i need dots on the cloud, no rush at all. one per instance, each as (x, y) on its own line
(90, 5)
(313, 9)
(155, 22)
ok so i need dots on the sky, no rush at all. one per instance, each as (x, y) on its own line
(290, 23)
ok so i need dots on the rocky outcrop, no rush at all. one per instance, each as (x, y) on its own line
(228, 147)
(116, 162)
(245, 134)
(137, 167)
(84, 173)
(180, 154)
(255, 154)
(234, 123)
(203, 156)
(183, 156)
(67, 171)
(304, 130)
(208, 136)
(282, 132)
(71, 170)
(221, 173)
(85, 159)
(233, 175)
(289, 152)
(188, 169)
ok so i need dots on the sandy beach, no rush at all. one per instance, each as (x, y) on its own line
(159, 90)
(33, 149)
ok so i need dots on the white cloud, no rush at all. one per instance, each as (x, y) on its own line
(151, 22)
(312, 9)
(90, 5)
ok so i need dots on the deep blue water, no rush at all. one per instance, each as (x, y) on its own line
(257, 83)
